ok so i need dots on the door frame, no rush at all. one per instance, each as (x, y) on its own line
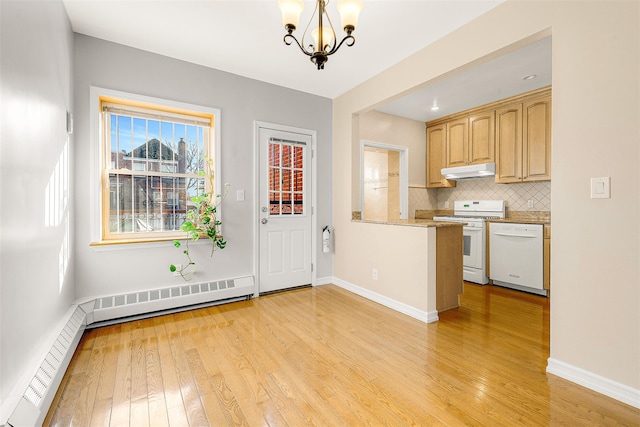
(404, 174)
(257, 125)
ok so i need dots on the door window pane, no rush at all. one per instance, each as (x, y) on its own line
(286, 178)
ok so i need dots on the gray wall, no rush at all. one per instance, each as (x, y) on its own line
(109, 270)
(36, 80)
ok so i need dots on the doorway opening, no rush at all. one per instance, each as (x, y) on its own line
(384, 181)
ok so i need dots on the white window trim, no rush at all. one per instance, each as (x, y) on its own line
(96, 153)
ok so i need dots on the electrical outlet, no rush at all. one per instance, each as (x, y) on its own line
(374, 273)
(531, 203)
(446, 205)
(177, 272)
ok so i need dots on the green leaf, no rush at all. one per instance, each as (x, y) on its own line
(176, 243)
(172, 268)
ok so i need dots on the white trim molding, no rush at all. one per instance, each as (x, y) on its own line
(29, 403)
(257, 125)
(96, 155)
(324, 281)
(423, 316)
(595, 382)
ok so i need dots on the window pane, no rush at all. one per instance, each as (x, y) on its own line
(297, 180)
(286, 203)
(286, 180)
(274, 179)
(274, 203)
(286, 156)
(274, 154)
(298, 203)
(149, 204)
(298, 157)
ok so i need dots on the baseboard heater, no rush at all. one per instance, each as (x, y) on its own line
(33, 405)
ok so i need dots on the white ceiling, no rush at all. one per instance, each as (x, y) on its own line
(491, 81)
(245, 37)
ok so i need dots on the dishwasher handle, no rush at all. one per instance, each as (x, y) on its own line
(530, 236)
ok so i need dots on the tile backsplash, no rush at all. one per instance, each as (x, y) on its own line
(516, 196)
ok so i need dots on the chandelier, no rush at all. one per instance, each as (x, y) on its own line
(324, 37)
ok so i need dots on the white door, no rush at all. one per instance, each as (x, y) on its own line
(285, 210)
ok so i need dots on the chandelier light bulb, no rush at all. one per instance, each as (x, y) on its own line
(291, 11)
(327, 39)
(349, 11)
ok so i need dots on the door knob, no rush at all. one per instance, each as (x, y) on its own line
(264, 220)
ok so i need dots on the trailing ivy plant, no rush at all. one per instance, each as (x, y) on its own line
(201, 222)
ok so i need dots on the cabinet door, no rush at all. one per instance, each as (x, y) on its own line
(509, 144)
(457, 142)
(436, 154)
(536, 139)
(481, 138)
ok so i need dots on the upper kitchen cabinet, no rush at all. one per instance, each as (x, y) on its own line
(515, 133)
(509, 143)
(470, 139)
(436, 157)
(457, 142)
(523, 140)
(481, 137)
(536, 139)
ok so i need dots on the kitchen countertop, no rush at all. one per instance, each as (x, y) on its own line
(413, 222)
(519, 217)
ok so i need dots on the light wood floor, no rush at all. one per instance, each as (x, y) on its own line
(324, 356)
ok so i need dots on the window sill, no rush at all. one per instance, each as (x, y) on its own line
(134, 241)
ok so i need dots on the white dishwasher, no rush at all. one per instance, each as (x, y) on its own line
(516, 256)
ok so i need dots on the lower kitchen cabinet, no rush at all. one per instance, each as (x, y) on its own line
(449, 280)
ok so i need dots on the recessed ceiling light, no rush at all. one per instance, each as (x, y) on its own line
(435, 106)
(529, 77)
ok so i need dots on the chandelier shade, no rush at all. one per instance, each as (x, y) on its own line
(324, 36)
(291, 11)
(349, 11)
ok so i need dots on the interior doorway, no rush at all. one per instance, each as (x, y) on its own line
(384, 181)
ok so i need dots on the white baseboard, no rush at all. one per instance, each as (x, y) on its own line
(427, 317)
(613, 389)
(324, 281)
(32, 395)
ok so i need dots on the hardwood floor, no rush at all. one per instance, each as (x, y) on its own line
(324, 356)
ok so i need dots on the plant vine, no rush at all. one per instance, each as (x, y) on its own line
(201, 221)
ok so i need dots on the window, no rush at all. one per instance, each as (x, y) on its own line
(151, 158)
(286, 169)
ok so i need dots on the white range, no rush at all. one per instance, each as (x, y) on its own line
(475, 213)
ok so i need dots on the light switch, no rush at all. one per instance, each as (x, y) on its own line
(240, 195)
(601, 188)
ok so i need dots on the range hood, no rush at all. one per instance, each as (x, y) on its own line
(470, 171)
